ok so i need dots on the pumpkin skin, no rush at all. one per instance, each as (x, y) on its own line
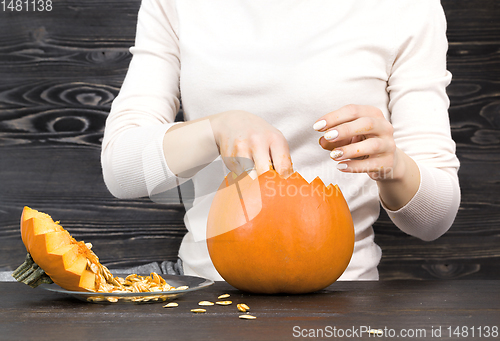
(274, 235)
(62, 258)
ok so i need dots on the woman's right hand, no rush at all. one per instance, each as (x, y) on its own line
(247, 142)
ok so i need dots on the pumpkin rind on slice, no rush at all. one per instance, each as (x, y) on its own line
(26, 222)
(54, 256)
(53, 249)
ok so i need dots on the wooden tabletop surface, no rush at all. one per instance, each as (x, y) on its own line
(453, 310)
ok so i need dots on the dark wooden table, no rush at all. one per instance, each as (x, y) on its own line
(348, 310)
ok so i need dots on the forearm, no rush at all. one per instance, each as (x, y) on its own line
(190, 146)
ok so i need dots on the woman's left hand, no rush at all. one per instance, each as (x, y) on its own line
(361, 139)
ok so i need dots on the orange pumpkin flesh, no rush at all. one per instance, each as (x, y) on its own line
(275, 235)
(53, 249)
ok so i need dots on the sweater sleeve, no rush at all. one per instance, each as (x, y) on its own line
(419, 113)
(132, 157)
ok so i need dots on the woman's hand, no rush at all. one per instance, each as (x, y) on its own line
(361, 139)
(247, 142)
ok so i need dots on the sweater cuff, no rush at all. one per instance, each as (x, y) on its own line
(432, 210)
(157, 174)
(140, 168)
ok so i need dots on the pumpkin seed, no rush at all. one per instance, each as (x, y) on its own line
(378, 332)
(205, 303)
(198, 310)
(116, 283)
(171, 305)
(223, 296)
(224, 302)
(94, 268)
(95, 299)
(242, 307)
(106, 282)
(247, 317)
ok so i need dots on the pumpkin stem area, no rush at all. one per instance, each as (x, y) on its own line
(31, 274)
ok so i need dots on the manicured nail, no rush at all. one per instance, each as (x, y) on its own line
(331, 134)
(252, 174)
(319, 125)
(336, 153)
(342, 166)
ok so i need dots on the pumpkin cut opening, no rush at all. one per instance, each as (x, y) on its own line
(297, 238)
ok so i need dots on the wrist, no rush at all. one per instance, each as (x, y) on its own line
(189, 147)
(402, 164)
(398, 189)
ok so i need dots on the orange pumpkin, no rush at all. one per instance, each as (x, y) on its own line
(276, 235)
(52, 248)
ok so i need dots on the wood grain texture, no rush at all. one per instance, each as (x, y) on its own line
(60, 71)
(421, 307)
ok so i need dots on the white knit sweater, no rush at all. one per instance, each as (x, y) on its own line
(289, 62)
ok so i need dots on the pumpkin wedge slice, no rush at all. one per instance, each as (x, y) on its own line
(54, 256)
(67, 262)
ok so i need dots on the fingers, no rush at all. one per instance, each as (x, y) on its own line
(237, 156)
(272, 154)
(346, 114)
(371, 155)
(280, 155)
(331, 145)
(262, 159)
(372, 147)
(340, 127)
(364, 126)
(257, 154)
(239, 164)
(363, 166)
(360, 139)
(377, 168)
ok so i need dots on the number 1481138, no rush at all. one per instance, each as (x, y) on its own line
(26, 5)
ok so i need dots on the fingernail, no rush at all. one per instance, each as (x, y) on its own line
(252, 174)
(331, 134)
(319, 125)
(336, 153)
(342, 166)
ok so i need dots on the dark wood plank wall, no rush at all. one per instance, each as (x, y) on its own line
(61, 69)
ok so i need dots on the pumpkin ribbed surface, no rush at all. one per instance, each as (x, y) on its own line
(276, 235)
(64, 260)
